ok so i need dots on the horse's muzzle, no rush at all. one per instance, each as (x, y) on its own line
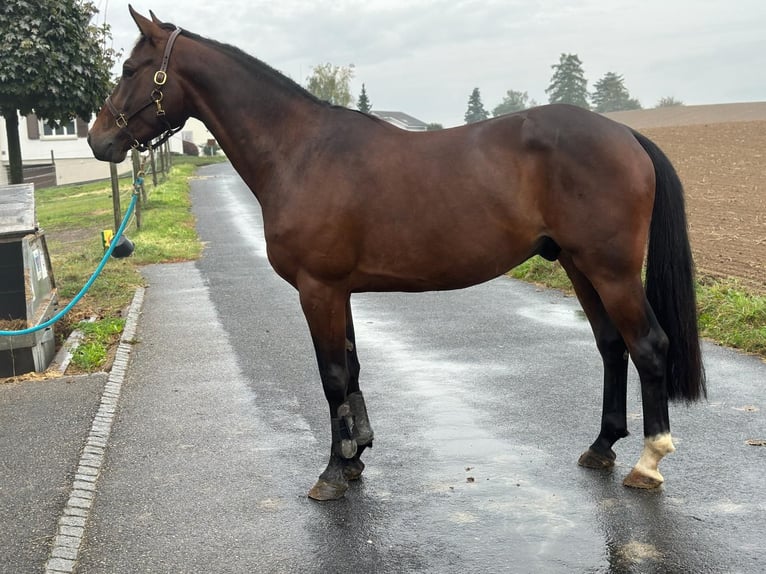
(104, 149)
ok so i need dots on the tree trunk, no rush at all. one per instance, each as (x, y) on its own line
(14, 146)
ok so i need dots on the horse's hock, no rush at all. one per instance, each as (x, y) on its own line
(27, 289)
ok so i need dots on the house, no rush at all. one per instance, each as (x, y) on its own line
(401, 120)
(61, 155)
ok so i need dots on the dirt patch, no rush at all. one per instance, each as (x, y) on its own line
(720, 153)
(723, 168)
(691, 115)
(13, 324)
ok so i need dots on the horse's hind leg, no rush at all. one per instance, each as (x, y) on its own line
(355, 409)
(649, 355)
(615, 358)
(625, 301)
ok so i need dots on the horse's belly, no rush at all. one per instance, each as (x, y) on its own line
(437, 266)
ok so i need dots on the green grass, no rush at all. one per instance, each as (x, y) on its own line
(73, 218)
(543, 272)
(728, 313)
(731, 316)
(98, 337)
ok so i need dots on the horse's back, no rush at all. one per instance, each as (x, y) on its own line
(456, 207)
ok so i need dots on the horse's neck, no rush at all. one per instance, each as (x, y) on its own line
(255, 119)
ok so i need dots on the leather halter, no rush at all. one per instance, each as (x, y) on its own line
(160, 77)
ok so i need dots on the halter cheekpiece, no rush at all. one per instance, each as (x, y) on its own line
(155, 98)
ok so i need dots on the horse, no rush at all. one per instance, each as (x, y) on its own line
(353, 204)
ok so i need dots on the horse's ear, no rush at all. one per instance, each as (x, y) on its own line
(155, 19)
(148, 28)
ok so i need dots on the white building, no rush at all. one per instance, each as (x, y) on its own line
(61, 156)
(401, 120)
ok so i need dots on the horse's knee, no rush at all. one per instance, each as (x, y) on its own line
(335, 384)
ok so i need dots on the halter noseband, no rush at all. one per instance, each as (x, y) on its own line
(160, 77)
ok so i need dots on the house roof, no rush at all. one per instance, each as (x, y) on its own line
(400, 119)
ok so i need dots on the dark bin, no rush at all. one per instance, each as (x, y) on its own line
(28, 294)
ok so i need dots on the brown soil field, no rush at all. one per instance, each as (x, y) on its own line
(721, 159)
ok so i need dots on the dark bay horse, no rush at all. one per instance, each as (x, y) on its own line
(351, 204)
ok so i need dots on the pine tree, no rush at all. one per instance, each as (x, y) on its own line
(475, 111)
(568, 83)
(612, 96)
(363, 103)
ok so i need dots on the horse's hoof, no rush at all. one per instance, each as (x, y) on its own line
(324, 490)
(642, 479)
(353, 469)
(592, 459)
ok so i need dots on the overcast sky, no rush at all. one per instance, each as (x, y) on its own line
(424, 57)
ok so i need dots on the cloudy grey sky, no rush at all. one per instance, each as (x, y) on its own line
(424, 57)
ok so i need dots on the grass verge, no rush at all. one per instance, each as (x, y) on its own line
(728, 313)
(73, 218)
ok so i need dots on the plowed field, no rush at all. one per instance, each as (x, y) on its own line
(723, 167)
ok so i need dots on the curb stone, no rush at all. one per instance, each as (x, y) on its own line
(73, 519)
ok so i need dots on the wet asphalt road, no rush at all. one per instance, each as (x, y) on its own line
(43, 425)
(481, 401)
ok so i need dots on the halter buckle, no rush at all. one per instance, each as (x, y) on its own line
(121, 121)
(160, 77)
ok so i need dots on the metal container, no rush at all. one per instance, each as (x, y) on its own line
(28, 295)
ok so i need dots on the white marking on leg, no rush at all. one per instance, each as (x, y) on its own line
(655, 447)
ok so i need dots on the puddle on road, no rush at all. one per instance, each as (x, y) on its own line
(494, 486)
(556, 315)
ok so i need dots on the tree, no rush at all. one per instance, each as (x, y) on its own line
(54, 63)
(475, 111)
(568, 83)
(668, 102)
(434, 127)
(513, 101)
(363, 103)
(612, 96)
(331, 83)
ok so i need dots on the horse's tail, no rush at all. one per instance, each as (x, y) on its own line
(670, 279)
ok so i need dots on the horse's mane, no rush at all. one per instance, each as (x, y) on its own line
(250, 63)
(259, 68)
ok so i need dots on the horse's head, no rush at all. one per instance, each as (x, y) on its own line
(147, 101)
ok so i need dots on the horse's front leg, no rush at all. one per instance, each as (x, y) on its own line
(355, 410)
(325, 310)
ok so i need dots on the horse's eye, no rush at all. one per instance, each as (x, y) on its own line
(127, 72)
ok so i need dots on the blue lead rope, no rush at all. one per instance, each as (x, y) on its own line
(87, 286)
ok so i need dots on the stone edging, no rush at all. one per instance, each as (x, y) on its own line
(71, 523)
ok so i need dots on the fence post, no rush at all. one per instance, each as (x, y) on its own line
(162, 162)
(136, 175)
(154, 167)
(115, 195)
(167, 147)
